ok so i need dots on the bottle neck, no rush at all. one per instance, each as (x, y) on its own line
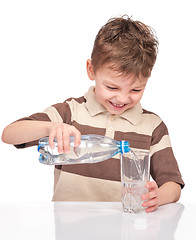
(124, 147)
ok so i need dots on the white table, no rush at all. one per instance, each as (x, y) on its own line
(94, 220)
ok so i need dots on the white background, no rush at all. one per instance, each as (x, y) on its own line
(44, 46)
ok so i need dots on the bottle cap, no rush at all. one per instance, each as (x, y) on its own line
(38, 148)
(124, 146)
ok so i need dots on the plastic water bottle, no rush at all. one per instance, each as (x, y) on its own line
(93, 148)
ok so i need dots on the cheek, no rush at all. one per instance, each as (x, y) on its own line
(104, 94)
(101, 95)
(136, 97)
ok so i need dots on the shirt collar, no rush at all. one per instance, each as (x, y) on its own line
(133, 115)
(93, 106)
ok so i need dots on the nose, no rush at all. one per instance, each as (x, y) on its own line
(122, 98)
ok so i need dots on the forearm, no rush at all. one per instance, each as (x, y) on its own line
(169, 192)
(25, 131)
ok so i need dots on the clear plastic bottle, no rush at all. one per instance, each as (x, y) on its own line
(93, 148)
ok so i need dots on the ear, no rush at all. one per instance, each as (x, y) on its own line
(89, 69)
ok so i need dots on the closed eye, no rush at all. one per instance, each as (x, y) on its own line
(137, 90)
(111, 88)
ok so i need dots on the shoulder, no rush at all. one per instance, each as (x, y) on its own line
(61, 112)
(68, 103)
(75, 104)
(158, 125)
(151, 118)
(160, 128)
(79, 100)
(151, 114)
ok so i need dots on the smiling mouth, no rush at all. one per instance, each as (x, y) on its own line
(117, 105)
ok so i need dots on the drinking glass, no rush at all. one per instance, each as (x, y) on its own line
(134, 175)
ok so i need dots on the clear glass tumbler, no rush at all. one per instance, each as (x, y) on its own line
(134, 175)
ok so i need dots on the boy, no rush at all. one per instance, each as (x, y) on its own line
(122, 59)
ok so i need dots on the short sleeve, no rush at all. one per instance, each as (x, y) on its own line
(163, 165)
(35, 117)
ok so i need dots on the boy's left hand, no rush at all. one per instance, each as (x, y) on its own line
(152, 198)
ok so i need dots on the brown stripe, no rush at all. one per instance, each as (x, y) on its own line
(36, 117)
(164, 168)
(64, 111)
(79, 100)
(148, 112)
(136, 140)
(158, 133)
(85, 129)
(96, 170)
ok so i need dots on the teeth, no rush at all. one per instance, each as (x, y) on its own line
(118, 105)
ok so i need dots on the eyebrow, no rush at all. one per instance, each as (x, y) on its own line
(109, 82)
(140, 86)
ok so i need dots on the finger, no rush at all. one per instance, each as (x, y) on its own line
(77, 136)
(59, 141)
(66, 143)
(150, 203)
(151, 185)
(151, 209)
(150, 195)
(51, 140)
(152, 191)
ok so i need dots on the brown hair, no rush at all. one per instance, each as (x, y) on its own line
(129, 47)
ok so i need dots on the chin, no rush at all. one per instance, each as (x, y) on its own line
(115, 112)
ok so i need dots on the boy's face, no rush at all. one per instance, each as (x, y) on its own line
(114, 91)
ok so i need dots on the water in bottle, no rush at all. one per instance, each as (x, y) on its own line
(93, 149)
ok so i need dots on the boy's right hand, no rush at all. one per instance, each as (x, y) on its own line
(62, 132)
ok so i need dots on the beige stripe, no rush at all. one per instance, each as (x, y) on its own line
(146, 126)
(72, 187)
(112, 123)
(81, 115)
(57, 174)
(148, 120)
(53, 114)
(164, 143)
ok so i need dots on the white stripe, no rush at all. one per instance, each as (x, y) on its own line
(162, 144)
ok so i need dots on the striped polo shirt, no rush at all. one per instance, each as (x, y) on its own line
(101, 181)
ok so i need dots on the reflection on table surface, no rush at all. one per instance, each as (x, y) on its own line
(109, 222)
(94, 220)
